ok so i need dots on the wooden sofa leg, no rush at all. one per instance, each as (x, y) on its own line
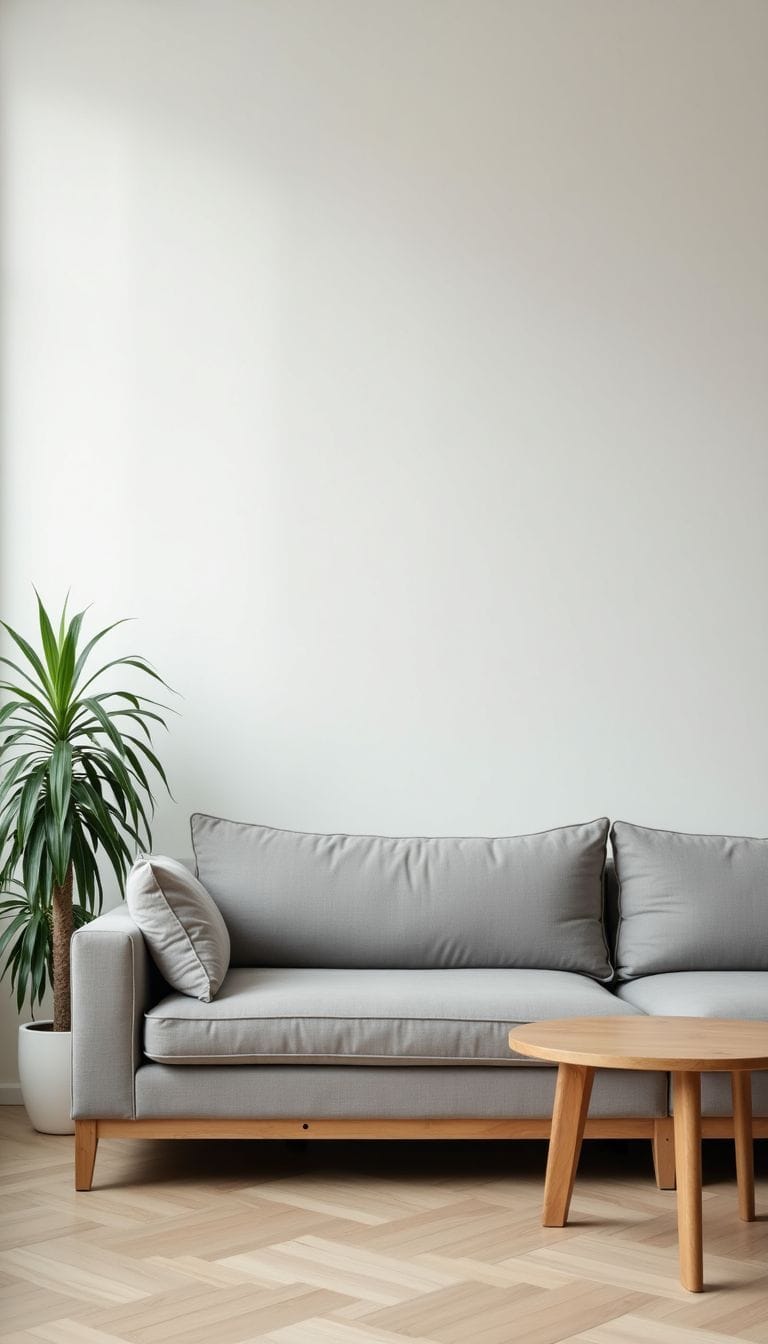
(664, 1153)
(86, 1143)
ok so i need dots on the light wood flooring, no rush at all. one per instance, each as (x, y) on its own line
(364, 1243)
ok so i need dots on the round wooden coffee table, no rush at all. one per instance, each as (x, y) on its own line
(686, 1047)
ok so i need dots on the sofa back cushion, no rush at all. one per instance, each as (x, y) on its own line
(611, 906)
(689, 902)
(296, 899)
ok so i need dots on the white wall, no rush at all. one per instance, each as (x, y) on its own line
(402, 367)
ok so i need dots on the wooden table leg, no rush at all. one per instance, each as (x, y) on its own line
(687, 1095)
(574, 1086)
(741, 1087)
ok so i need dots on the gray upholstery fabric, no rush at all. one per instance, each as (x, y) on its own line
(700, 994)
(296, 899)
(611, 906)
(716, 1094)
(321, 1016)
(740, 994)
(690, 902)
(182, 924)
(113, 983)
(306, 1093)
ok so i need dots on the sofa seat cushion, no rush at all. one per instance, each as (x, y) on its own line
(327, 1016)
(741, 994)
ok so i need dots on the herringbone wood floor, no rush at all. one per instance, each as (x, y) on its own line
(367, 1243)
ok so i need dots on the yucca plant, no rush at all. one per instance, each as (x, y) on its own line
(74, 787)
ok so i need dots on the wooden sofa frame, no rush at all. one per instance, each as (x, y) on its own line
(659, 1131)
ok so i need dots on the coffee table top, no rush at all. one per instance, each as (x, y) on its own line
(678, 1044)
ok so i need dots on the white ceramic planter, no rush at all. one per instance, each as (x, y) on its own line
(45, 1074)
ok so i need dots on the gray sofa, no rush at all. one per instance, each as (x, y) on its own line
(373, 982)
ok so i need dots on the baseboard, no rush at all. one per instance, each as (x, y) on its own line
(10, 1094)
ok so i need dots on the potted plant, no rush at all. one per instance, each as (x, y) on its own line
(74, 793)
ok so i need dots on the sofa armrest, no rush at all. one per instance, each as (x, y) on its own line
(113, 984)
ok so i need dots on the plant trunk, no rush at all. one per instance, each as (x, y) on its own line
(63, 924)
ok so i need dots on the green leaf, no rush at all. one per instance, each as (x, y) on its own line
(140, 715)
(32, 732)
(39, 958)
(151, 757)
(11, 861)
(138, 718)
(102, 759)
(24, 966)
(121, 695)
(84, 865)
(83, 658)
(31, 863)
(96, 820)
(60, 776)
(28, 802)
(57, 843)
(21, 918)
(10, 708)
(138, 767)
(65, 681)
(63, 618)
(50, 646)
(126, 778)
(14, 773)
(140, 706)
(112, 820)
(45, 880)
(94, 811)
(105, 723)
(32, 701)
(108, 777)
(144, 666)
(13, 953)
(131, 660)
(8, 820)
(8, 662)
(31, 657)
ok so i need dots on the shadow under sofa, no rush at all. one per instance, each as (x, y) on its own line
(393, 1050)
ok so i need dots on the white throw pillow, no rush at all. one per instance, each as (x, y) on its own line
(182, 924)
